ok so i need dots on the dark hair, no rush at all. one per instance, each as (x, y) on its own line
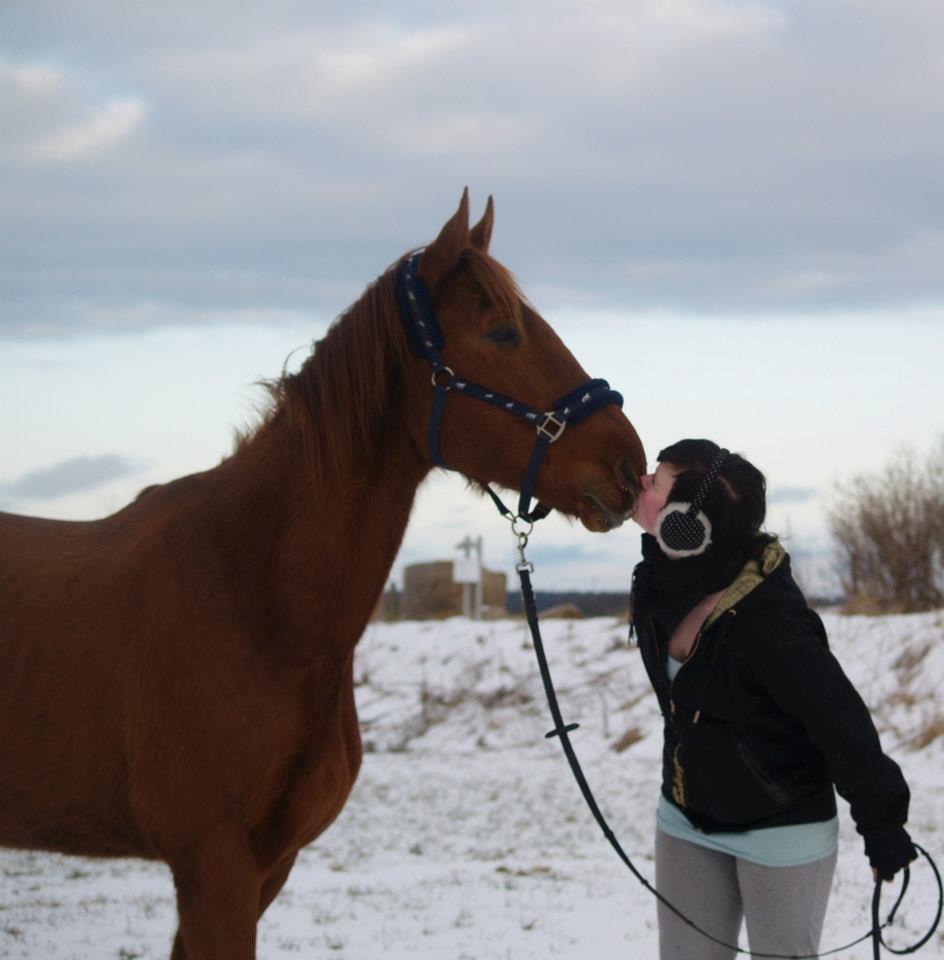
(736, 503)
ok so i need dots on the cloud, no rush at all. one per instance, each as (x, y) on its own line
(70, 476)
(782, 495)
(690, 155)
(80, 319)
(109, 124)
(556, 554)
(32, 77)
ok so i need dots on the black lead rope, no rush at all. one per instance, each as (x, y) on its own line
(562, 731)
(423, 329)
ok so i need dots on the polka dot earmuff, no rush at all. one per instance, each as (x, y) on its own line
(682, 529)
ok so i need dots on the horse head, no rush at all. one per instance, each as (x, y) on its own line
(492, 336)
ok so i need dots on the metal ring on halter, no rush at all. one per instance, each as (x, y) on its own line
(522, 537)
(439, 370)
(551, 428)
(519, 533)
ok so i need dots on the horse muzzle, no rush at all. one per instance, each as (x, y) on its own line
(600, 512)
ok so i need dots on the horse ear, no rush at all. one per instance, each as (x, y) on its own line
(441, 257)
(480, 236)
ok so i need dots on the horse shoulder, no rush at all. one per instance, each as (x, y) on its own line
(323, 776)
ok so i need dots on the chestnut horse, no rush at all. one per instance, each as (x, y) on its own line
(176, 679)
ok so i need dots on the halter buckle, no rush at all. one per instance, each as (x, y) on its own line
(551, 428)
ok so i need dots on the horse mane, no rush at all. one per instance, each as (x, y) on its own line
(339, 400)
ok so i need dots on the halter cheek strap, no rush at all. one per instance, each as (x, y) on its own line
(424, 331)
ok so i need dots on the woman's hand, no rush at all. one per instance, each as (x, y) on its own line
(889, 853)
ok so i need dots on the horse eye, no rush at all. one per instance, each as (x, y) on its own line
(503, 335)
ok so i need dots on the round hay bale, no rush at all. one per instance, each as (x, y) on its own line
(563, 611)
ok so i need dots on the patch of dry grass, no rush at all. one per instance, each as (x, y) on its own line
(930, 730)
(631, 736)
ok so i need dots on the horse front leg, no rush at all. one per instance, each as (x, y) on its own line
(179, 951)
(218, 895)
(268, 891)
(274, 882)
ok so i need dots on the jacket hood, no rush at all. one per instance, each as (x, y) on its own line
(753, 575)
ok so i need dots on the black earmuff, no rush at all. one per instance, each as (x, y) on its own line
(682, 529)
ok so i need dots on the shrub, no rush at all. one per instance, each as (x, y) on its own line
(889, 531)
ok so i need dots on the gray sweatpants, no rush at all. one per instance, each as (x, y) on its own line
(784, 907)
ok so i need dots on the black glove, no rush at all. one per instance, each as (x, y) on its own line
(889, 852)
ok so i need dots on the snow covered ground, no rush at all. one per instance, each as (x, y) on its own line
(466, 837)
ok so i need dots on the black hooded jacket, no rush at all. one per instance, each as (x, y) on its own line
(761, 721)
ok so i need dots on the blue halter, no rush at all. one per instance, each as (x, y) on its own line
(419, 318)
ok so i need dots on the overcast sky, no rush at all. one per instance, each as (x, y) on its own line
(734, 211)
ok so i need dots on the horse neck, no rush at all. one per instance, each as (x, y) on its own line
(322, 542)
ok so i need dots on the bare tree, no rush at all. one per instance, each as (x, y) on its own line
(889, 530)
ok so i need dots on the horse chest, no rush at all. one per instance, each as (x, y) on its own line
(320, 783)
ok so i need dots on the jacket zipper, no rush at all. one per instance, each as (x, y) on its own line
(678, 772)
(660, 664)
(691, 653)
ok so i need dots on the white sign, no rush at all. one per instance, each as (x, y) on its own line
(465, 570)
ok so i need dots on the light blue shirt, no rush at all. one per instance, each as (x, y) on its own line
(786, 846)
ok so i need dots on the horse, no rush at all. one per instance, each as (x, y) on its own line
(176, 678)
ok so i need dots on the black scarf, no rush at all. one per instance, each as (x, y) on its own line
(668, 589)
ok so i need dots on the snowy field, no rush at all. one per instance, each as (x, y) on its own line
(466, 837)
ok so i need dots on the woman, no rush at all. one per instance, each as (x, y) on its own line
(760, 720)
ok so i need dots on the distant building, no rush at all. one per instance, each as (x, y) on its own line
(388, 606)
(429, 592)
